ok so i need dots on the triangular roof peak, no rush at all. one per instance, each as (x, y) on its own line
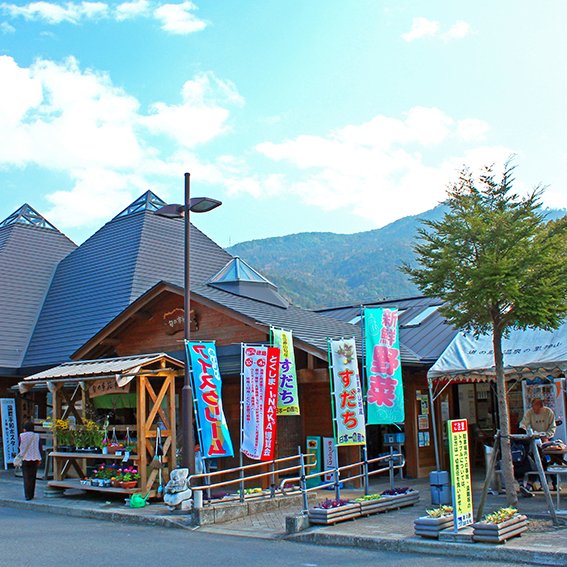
(237, 270)
(27, 216)
(149, 201)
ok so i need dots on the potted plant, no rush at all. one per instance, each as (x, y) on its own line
(436, 520)
(130, 477)
(331, 511)
(500, 526)
(63, 433)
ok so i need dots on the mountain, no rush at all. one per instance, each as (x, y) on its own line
(322, 269)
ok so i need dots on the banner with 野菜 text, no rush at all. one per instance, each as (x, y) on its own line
(385, 393)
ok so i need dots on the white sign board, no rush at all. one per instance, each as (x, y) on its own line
(9, 430)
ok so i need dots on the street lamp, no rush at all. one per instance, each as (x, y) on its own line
(195, 205)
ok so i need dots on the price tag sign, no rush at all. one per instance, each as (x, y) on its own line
(460, 472)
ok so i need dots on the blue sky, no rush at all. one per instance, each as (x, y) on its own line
(300, 115)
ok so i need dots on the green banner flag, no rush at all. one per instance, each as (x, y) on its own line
(385, 393)
(288, 398)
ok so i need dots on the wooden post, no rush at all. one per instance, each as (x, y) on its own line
(489, 473)
(141, 425)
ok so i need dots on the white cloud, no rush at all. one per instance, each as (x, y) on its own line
(200, 117)
(385, 168)
(422, 28)
(53, 13)
(179, 18)
(130, 10)
(458, 30)
(174, 18)
(62, 118)
(6, 28)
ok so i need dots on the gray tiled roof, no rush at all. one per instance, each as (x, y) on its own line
(100, 367)
(121, 261)
(29, 254)
(426, 341)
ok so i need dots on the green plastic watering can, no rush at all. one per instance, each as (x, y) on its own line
(138, 501)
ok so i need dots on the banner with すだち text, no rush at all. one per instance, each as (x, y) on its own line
(350, 428)
(288, 399)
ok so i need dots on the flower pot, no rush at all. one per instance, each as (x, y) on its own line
(129, 484)
(499, 533)
(116, 483)
(328, 516)
(425, 526)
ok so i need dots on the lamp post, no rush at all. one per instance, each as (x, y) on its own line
(195, 205)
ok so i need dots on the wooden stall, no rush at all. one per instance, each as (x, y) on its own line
(149, 382)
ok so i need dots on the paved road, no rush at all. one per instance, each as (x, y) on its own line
(29, 539)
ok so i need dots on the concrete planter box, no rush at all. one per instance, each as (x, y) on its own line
(425, 526)
(499, 533)
(328, 516)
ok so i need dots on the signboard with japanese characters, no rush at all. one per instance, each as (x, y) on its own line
(350, 428)
(329, 458)
(106, 386)
(260, 372)
(9, 430)
(214, 437)
(385, 394)
(460, 472)
(288, 399)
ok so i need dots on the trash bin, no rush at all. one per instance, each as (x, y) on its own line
(440, 489)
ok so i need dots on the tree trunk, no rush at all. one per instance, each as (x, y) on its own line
(504, 418)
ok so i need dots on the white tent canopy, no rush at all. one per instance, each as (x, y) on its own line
(527, 353)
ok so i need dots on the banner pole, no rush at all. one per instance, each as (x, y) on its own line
(334, 414)
(241, 456)
(364, 386)
(434, 426)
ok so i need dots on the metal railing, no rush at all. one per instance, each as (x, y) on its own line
(337, 479)
(203, 483)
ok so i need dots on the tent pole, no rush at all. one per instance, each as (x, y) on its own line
(434, 424)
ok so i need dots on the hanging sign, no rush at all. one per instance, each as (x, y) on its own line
(105, 386)
(350, 427)
(9, 430)
(288, 399)
(460, 472)
(385, 394)
(260, 372)
(214, 437)
(329, 460)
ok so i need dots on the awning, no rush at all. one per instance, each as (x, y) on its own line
(123, 369)
(527, 354)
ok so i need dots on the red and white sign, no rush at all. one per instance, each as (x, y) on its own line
(260, 373)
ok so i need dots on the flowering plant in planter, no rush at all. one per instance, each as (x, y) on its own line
(368, 498)
(440, 512)
(396, 491)
(336, 503)
(500, 516)
(129, 474)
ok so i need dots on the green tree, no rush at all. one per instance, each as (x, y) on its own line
(498, 265)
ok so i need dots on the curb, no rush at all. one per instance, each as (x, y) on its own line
(107, 515)
(415, 545)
